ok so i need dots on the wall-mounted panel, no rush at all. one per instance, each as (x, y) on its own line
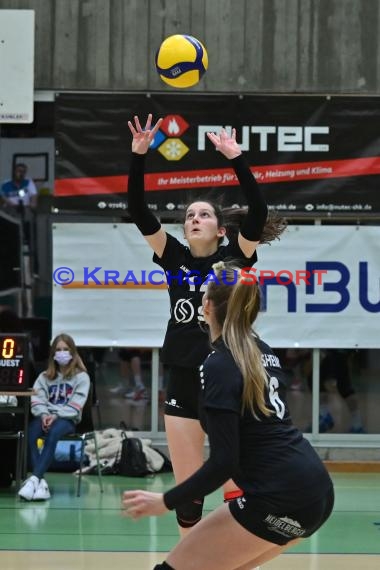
(280, 46)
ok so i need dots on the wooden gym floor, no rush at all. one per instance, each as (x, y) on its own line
(88, 532)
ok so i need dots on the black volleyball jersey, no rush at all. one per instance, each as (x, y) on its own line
(265, 456)
(185, 344)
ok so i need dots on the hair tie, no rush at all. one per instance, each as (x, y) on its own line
(218, 266)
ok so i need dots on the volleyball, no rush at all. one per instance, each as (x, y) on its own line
(181, 61)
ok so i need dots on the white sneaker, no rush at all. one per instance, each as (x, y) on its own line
(117, 390)
(42, 493)
(28, 488)
(139, 393)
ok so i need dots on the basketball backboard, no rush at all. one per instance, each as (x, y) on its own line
(16, 66)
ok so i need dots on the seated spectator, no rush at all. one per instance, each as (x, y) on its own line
(60, 394)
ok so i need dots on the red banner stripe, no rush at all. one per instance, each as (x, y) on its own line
(176, 180)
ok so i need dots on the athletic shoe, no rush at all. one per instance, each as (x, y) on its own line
(28, 488)
(296, 385)
(326, 422)
(42, 493)
(138, 394)
(355, 429)
(117, 390)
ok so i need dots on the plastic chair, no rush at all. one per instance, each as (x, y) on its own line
(20, 467)
(11, 429)
(85, 432)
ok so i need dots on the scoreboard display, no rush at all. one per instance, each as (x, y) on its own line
(14, 362)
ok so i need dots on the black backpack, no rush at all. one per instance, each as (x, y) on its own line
(132, 462)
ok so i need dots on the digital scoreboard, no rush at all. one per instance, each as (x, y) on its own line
(14, 362)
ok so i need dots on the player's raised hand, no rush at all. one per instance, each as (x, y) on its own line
(142, 137)
(225, 143)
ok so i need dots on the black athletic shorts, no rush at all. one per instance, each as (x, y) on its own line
(182, 392)
(256, 516)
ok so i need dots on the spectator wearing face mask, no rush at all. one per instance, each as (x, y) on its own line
(60, 393)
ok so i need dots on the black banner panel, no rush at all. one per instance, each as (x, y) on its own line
(10, 253)
(311, 154)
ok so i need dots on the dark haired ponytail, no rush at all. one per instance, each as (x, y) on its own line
(274, 226)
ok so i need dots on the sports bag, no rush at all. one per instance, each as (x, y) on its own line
(133, 461)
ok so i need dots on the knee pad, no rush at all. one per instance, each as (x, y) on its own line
(190, 513)
(163, 566)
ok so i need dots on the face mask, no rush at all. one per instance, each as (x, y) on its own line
(62, 357)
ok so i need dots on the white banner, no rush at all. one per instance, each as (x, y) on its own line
(114, 295)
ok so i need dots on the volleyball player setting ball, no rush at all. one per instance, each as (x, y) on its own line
(205, 226)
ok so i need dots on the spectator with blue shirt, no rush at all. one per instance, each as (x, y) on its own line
(19, 190)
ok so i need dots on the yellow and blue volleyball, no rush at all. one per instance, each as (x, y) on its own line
(181, 61)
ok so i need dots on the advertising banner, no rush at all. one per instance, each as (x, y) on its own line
(311, 153)
(320, 287)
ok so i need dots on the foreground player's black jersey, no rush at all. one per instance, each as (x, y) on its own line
(266, 456)
(185, 344)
